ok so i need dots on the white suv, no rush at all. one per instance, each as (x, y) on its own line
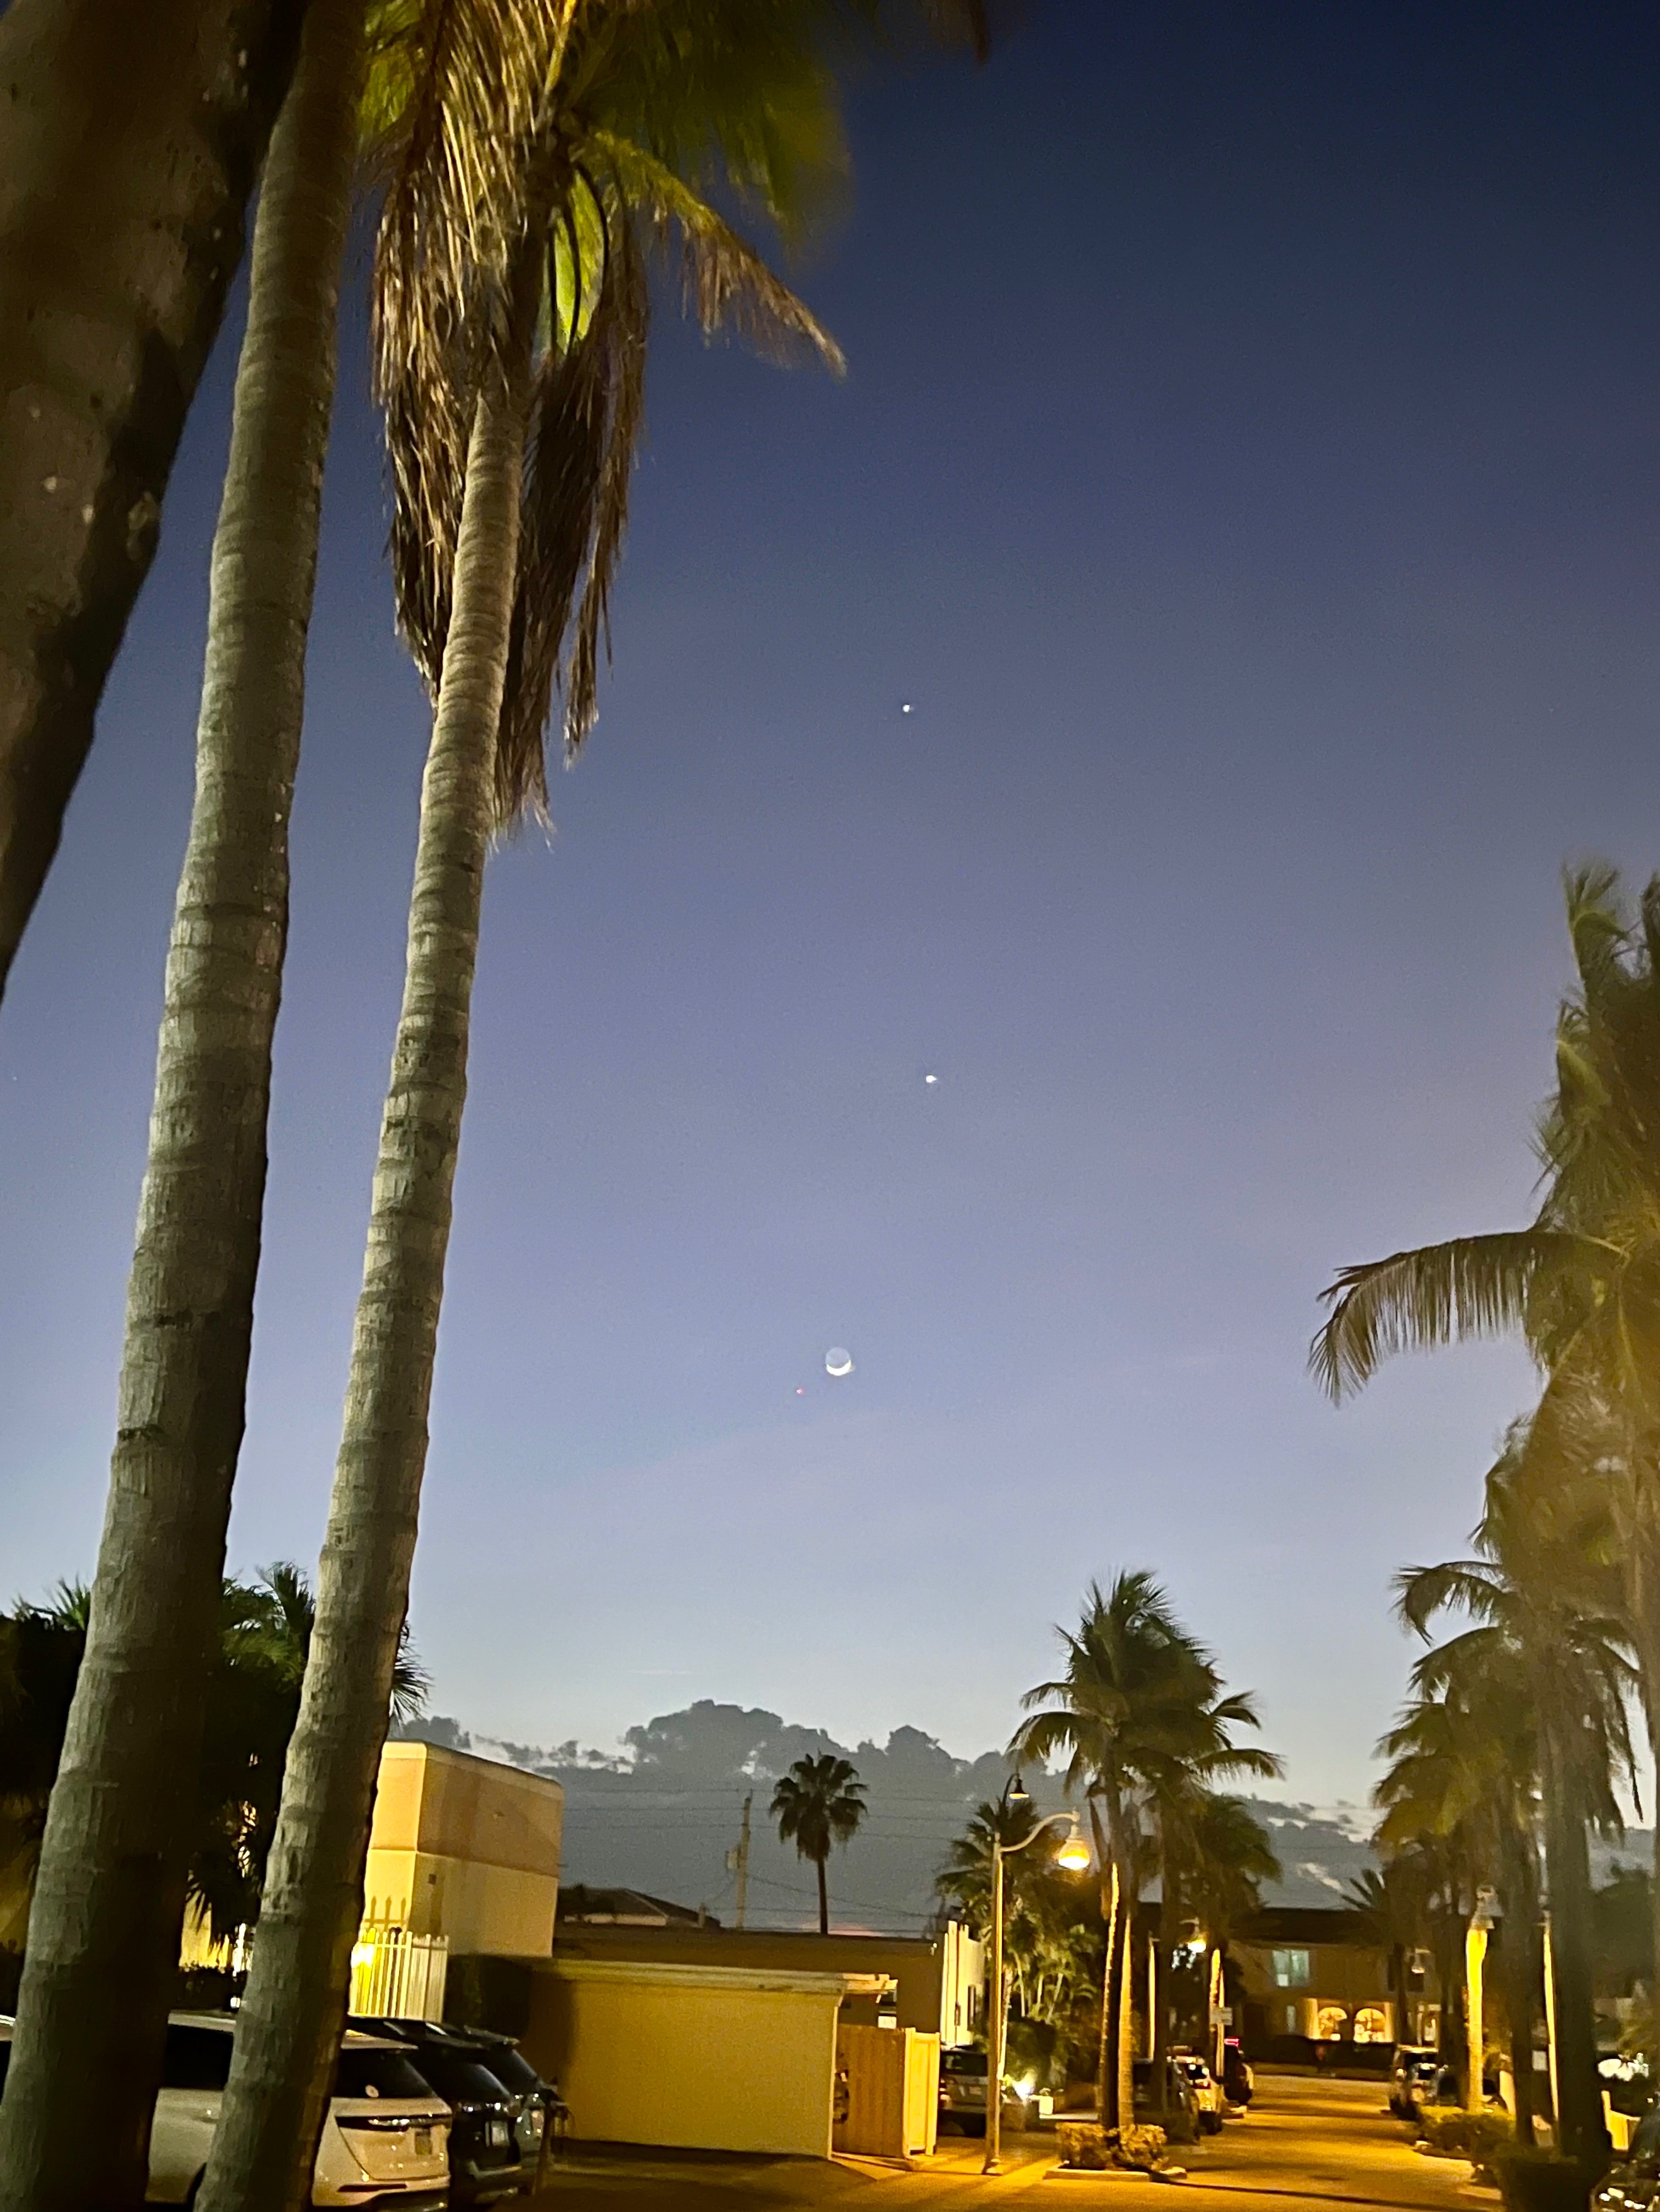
(385, 2140)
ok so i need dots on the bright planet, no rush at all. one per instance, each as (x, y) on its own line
(838, 1360)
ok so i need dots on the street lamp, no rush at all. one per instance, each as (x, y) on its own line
(1476, 1952)
(1074, 1855)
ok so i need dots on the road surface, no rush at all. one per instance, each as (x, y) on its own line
(1306, 2142)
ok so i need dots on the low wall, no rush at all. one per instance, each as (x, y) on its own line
(701, 2058)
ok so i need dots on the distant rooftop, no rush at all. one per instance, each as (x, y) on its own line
(627, 1908)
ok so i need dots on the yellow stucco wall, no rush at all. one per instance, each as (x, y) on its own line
(705, 2058)
(465, 1848)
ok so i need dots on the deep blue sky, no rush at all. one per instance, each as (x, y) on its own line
(1247, 472)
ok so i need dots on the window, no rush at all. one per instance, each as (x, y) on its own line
(1371, 2024)
(1328, 2028)
(360, 2073)
(1290, 1969)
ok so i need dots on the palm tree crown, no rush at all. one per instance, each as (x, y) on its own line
(818, 1803)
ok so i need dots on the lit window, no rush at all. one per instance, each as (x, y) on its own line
(1290, 1969)
(1371, 2024)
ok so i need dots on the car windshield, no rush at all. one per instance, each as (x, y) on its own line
(510, 2066)
(361, 2073)
(963, 2062)
(459, 2076)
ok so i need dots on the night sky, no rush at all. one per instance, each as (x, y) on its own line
(1247, 474)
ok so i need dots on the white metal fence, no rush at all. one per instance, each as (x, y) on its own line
(397, 1973)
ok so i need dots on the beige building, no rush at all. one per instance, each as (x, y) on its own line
(1313, 1972)
(465, 1849)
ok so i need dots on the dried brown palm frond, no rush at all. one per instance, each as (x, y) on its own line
(585, 423)
(456, 92)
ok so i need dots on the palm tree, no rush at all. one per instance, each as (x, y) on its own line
(1140, 1706)
(130, 140)
(1523, 1716)
(818, 1804)
(1188, 1819)
(140, 1699)
(1388, 1902)
(512, 323)
(1579, 1281)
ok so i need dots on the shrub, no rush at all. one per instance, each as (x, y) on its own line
(1084, 2144)
(1475, 2135)
(1541, 2181)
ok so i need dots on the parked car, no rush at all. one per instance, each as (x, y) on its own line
(487, 2159)
(963, 2095)
(1238, 2082)
(1209, 2097)
(385, 2141)
(1412, 2079)
(1634, 2184)
(1180, 2097)
(542, 2111)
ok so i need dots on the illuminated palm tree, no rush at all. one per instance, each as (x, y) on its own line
(112, 1836)
(1581, 1283)
(534, 150)
(1140, 1710)
(1523, 1719)
(818, 1804)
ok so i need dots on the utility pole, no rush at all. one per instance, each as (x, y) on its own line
(738, 1862)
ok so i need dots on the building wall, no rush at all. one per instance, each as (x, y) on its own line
(703, 2058)
(465, 1848)
(917, 1964)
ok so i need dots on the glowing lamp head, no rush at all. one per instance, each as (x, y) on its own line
(1075, 1853)
(1017, 1792)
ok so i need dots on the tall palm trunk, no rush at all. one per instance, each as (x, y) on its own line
(1106, 2070)
(1520, 1969)
(824, 1899)
(1641, 1549)
(290, 2024)
(104, 1932)
(1169, 1920)
(1126, 2004)
(1580, 2129)
(129, 139)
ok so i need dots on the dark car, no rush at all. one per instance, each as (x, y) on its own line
(1633, 2186)
(486, 2157)
(541, 2108)
(1238, 2082)
(963, 2090)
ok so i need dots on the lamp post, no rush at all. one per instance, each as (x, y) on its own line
(1073, 1854)
(1476, 1952)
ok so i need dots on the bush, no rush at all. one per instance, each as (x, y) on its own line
(1477, 2136)
(1539, 2181)
(1084, 2144)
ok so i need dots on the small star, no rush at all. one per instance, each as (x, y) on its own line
(905, 707)
(930, 1079)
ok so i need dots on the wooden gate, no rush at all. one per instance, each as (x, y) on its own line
(892, 2077)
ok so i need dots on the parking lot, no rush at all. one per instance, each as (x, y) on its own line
(1306, 2141)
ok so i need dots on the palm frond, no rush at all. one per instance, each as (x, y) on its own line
(1470, 1286)
(727, 284)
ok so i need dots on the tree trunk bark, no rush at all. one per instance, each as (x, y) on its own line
(129, 139)
(1580, 2129)
(289, 2028)
(1126, 2006)
(1643, 1592)
(1106, 2093)
(103, 1946)
(1169, 1919)
(824, 1899)
(1521, 1970)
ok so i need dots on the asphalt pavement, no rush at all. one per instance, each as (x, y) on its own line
(1305, 2141)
